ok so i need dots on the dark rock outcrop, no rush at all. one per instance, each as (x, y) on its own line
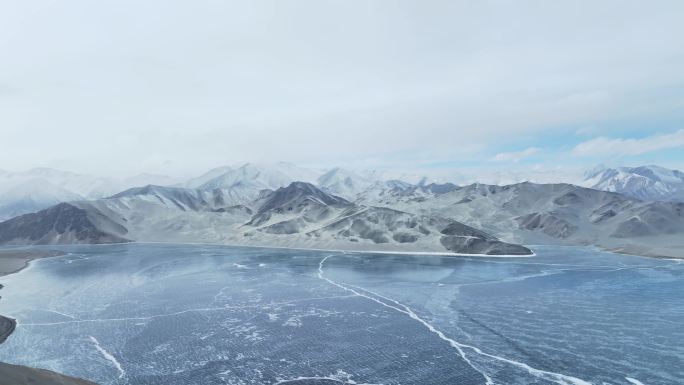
(472, 245)
(22, 375)
(63, 223)
(7, 326)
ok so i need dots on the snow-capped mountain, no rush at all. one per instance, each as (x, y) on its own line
(259, 176)
(285, 205)
(38, 188)
(206, 177)
(298, 215)
(392, 192)
(139, 180)
(252, 177)
(32, 195)
(652, 183)
(343, 182)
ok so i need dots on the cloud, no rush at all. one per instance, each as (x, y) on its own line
(603, 146)
(515, 156)
(272, 80)
(587, 131)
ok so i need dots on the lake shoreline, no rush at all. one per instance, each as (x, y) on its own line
(12, 262)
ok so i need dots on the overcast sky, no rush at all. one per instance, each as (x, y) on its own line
(177, 87)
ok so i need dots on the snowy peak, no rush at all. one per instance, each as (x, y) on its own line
(143, 179)
(293, 208)
(87, 186)
(392, 192)
(38, 188)
(185, 199)
(343, 182)
(40, 191)
(652, 183)
(32, 195)
(206, 177)
(260, 176)
(660, 174)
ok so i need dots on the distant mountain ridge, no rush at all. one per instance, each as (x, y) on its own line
(259, 176)
(298, 215)
(38, 188)
(343, 182)
(258, 204)
(645, 182)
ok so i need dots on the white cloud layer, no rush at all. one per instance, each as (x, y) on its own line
(516, 156)
(603, 146)
(170, 86)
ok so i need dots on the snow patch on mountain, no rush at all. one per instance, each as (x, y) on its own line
(260, 176)
(651, 183)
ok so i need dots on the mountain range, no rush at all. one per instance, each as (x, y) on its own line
(38, 188)
(298, 215)
(283, 205)
(645, 182)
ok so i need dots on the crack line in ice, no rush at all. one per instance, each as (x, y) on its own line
(556, 377)
(321, 378)
(56, 312)
(634, 381)
(432, 329)
(549, 376)
(263, 305)
(108, 356)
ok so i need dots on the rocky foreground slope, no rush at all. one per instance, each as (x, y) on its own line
(22, 375)
(10, 262)
(299, 215)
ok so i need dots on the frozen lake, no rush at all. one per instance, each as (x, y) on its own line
(192, 314)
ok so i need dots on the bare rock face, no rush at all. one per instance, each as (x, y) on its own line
(473, 245)
(7, 326)
(307, 207)
(63, 223)
(293, 209)
(302, 209)
(548, 223)
(459, 229)
(22, 375)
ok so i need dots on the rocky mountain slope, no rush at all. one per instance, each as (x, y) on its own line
(645, 182)
(61, 224)
(299, 215)
(343, 182)
(259, 204)
(259, 176)
(550, 214)
(32, 195)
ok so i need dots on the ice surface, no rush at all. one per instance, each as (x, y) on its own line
(192, 314)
